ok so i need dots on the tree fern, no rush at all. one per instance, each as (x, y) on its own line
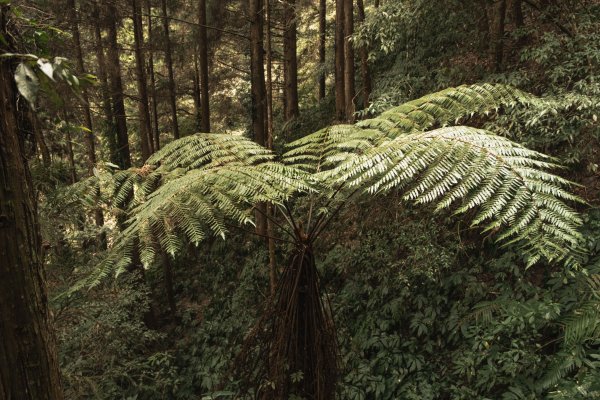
(201, 185)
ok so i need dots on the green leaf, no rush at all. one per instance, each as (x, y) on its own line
(28, 83)
(46, 67)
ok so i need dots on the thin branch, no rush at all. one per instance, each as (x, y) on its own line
(214, 28)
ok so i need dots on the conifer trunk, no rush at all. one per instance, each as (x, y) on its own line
(340, 96)
(322, 46)
(203, 69)
(145, 129)
(39, 139)
(196, 92)
(28, 361)
(169, 62)
(69, 143)
(87, 115)
(349, 83)
(156, 135)
(269, 100)
(258, 90)
(116, 88)
(364, 61)
(498, 17)
(109, 120)
(290, 61)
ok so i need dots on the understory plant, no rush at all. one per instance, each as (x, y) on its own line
(423, 152)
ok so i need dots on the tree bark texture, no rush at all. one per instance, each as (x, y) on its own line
(364, 61)
(116, 88)
(87, 115)
(156, 135)
(145, 129)
(203, 67)
(322, 46)
(258, 91)
(169, 62)
(497, 16)
(340, 97)
(28, 362)
(349, 83)
(109, 120)
(290, 61)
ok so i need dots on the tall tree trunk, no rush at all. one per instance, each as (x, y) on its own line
(143, 110)
(116, 88)
(109, 120)
(203, 64)
(364, 61)
(322, 46)
(517, 13)
(290, 61)
(340, 96)
(498, 17)
(69, 140)
(269, 99)
(258, 90)
(39, 139)
(152, 79)
(28, 361)
(257, 73)
(87, 115)
(196, 92)
(349, 86)
(169, 62)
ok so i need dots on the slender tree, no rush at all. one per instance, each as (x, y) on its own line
(28, 361)
(145, 128)
(349, 83)
(152, 79)
(169, 62)
(269, 100)
(290, 60)
(116, 89)
(109, 120)
(258, 90)
(340, 95)
(203, 68)
(196, 91)
(87, 115)
(497, 26)
(365, 73)
(322, 46)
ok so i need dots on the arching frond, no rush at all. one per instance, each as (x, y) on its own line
(204, 202)
(327, 147)
(210, 150)
(410, 148)
(471, 168)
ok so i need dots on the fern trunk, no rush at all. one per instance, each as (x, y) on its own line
(303, 359)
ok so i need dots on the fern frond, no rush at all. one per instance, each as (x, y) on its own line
(202, 201)
(330, 146)
(470, 168)
(209, 150)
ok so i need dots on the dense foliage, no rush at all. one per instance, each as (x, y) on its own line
(452, 266)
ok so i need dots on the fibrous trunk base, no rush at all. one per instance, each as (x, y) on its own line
(297, 350)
